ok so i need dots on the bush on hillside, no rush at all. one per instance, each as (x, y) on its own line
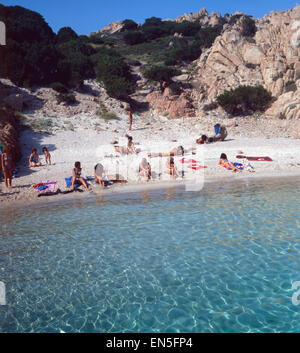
(59, 87)
(244, 99)
(248, 27)
(129, 25)
(66, 34)
(161, 73)
(68, 98)
(134, 37)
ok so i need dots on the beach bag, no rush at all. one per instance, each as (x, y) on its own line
(217, 128)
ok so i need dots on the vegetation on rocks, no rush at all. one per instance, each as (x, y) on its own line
(244, 99)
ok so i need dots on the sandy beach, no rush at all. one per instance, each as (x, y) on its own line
(90, 146)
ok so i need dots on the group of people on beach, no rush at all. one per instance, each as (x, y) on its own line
(100, 177)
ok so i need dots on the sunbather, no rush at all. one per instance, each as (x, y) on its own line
(223, 162)
(171, 168)
(203, 140)
(34, 159)
(77, 178)
(145, 169)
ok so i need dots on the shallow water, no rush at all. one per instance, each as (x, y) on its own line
(220, 260)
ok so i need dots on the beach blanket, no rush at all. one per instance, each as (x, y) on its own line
(256, 159)
(69, 182)
(237, 165)
(193, 164)
(45, 186)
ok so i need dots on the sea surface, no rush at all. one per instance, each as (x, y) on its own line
(222, 259)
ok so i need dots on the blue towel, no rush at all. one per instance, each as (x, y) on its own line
(69, 182)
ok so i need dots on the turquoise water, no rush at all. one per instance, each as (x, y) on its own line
(220, 260)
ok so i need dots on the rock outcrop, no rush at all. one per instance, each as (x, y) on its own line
(175, 106)
(270, 58)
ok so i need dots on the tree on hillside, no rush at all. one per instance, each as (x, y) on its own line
(66, 34)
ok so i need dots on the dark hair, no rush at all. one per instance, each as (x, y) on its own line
(182, 149)
(77, 164)
(34, 150)
(210, 140)
(223, 156)
(129, 138)
(45, 149)
(204, 137)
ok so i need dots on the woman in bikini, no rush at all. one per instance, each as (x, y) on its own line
(130, 146)
(77, 178)
(145, 169)
(223, 162)
(7, 165)
(171, 168)
(34, 159)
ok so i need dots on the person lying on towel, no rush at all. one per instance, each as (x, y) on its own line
(223, 162)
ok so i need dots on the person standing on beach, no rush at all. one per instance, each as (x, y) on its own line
(130, 118)
(7, 165)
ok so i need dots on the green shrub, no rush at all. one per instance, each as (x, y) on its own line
(134, 37)
(66, 34)
(244, 99)
(161, 73)
(129, 25)
(68, 98)
(206, 36)
(175, 88)
(59, 87)
(276, 77)
(248, 27)
(211, 106)
(118, 87)
(290, 86)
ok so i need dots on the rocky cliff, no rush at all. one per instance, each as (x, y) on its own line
(271, 58)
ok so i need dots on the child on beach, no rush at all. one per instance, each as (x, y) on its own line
(34, 159)
(145, 169)
(7, 165)
(47, 155)
(77, 178)
(171, 168)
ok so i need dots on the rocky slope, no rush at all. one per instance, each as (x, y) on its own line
(270, 59)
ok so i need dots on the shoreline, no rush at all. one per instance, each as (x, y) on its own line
(91, 147)
(131, 188)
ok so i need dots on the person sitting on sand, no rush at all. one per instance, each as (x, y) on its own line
(99, 174)
(47, 155)
(130, 146)
(171, 168)
(203, 140)
(223, 162)
(220, 133)
(34, 159)
(7, 165)
(77, 178)
(145, 169)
